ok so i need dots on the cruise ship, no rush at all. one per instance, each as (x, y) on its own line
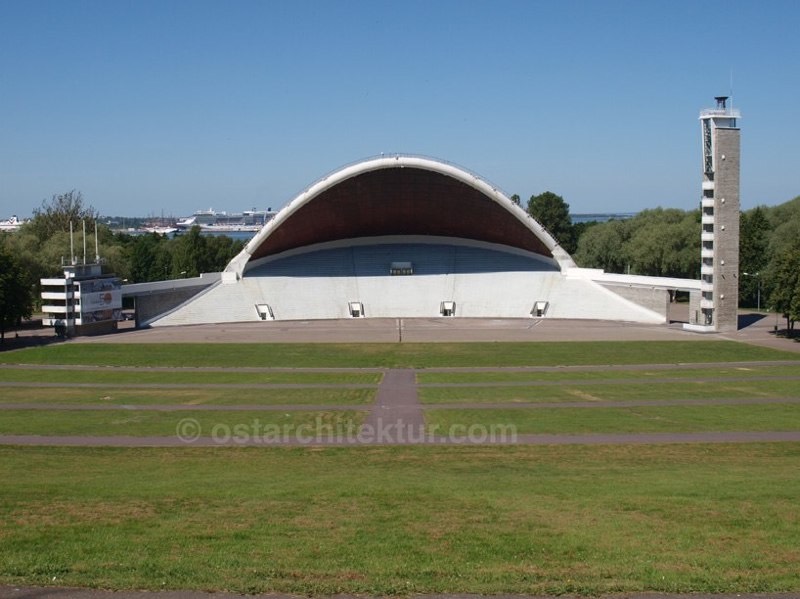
(10, 224)
(249, 220)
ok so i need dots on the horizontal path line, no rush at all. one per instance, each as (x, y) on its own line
(253, 369)
(381, 369)
(628, 381)
(30, 592)
(490, 384)
(191, 385)
(541, 439)
(643, 403)
(604, 367)
(185, 407)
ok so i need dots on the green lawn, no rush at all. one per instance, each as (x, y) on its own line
(402, 520)
(612, 392)
(194, 396)
(137, 423)
(568, 375)
(122, 377)
(647, 419)
(415, 355)
(375, 521)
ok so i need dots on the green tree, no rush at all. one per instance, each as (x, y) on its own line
(552, 212)
(784, 275)
(665, 243)
(516, 199)
(604, 246)
(57, 214)
(150, 258)
(16, 296)
(191, 254)
(221, 250)
(754, 234)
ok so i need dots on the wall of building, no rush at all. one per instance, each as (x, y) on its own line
(482, 281)
(652, 298)
(695, 317)
(726, 230)
(158, 303)
(96, 328)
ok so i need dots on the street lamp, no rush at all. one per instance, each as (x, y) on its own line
(757, 276)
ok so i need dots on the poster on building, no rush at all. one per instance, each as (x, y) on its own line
(101, 299)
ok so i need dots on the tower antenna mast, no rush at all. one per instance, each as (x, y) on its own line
(71, 245)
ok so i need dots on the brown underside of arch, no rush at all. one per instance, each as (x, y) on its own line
(400, 201)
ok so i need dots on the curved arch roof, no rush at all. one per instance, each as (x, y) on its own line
(400, 195)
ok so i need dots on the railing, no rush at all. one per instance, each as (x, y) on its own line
(723, 112)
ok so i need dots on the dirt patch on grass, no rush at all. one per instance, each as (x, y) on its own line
(585, 395)
(60, 513)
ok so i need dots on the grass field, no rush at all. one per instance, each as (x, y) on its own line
(189, 396)
(122, 377)
(138, 423)
(602, 391)
(648, 419)
(597, 375)
(403, 520)
(394, 355)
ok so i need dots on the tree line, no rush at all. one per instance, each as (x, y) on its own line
(42, 246)
(666, 242)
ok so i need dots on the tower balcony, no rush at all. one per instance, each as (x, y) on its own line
(707, 219)
(721, 111)
(706, 286)
(706, 269)
(54, 309)
(707, 202)
(706, 304)
(706, 236)
(707, 252)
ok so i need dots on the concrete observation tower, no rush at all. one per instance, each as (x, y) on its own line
(719, 270)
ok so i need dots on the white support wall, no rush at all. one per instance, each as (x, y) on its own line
(470, 283)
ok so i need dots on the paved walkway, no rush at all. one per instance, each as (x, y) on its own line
(756, 330)
(395, 410)
(396, 403)
(391, 436)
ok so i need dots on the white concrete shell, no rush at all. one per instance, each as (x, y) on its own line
(492, 260)
(241, 263)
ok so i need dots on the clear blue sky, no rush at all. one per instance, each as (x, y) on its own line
(158, 105)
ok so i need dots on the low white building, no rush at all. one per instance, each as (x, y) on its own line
(84, 301)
